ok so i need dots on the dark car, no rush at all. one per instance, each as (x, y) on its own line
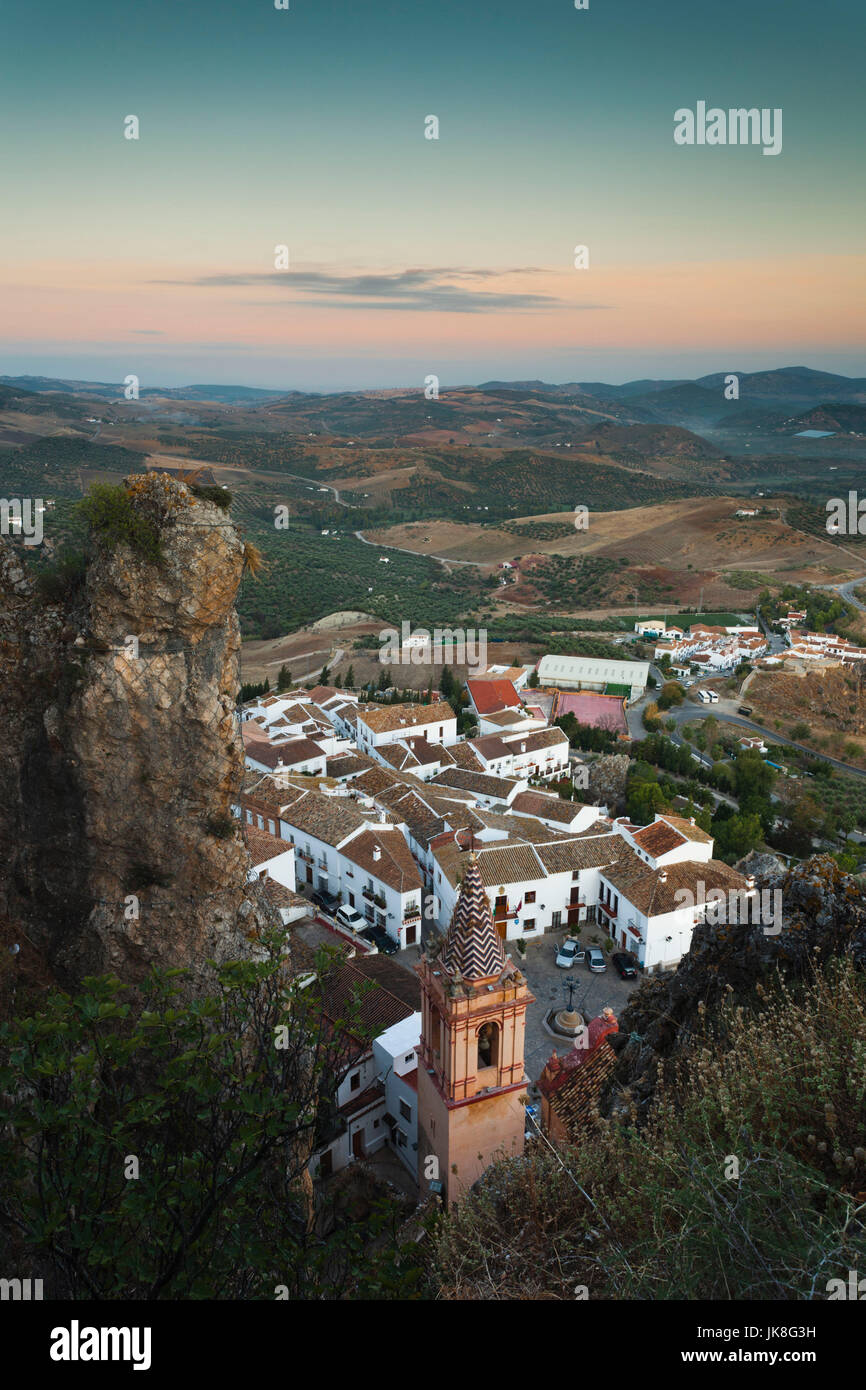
(328, 902)
(380, 939)
(744, 709)
(625, 964)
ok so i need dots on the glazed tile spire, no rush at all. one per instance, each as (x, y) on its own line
(473, 948)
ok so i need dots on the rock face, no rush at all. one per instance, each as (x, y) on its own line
(607, 778)
(121, 757)
(823, 914)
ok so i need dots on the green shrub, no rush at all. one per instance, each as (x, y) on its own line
(111, 515)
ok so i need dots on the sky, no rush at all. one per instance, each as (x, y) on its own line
(305, 128)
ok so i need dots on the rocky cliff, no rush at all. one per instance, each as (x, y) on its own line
(120, 756)
(823, 914)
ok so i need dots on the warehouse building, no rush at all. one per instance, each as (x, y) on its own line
(594, 673)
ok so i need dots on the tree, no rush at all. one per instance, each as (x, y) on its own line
(736, 836)
(533, 679)
(284, 679)
(324, 676)
(159, 1150)
(672, 693)
(651, 718)
(350, 678)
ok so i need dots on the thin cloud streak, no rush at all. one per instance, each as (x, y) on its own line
(426, 290)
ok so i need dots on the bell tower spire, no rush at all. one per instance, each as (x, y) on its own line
(471, 1081)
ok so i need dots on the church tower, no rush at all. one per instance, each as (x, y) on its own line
(471, 1082)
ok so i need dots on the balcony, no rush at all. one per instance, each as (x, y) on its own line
(608, 911)
(305, 855)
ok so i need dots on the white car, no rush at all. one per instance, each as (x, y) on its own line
(569, 952)
(348, 917)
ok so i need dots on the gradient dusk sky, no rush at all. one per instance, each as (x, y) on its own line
(410, 256)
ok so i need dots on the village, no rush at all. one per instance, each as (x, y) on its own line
(379, 831)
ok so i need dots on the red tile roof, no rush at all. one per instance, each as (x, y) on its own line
(490, 696)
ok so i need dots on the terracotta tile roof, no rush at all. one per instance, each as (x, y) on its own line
(398, 757)
(355, 1104)
(654, 891)
(492, 695)
(572, 1084)
(464, 755)
(506, 719)
(296, 751)
(551, 807)
(281, 896)
(369, 994)
(506, 864)
(423, 822)
(328, 818)
(691, 832)
(544, 738)
(659, 838)
(395, 866)
(262, 845)
(347, 764)
(483, 783)
(386, 718)
(588, 851)
(427, 753)
(492, 746)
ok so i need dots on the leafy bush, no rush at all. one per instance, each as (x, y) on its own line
(656, 1212)
(111, 515)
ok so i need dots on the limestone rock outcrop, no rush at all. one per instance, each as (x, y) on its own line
(121, 755)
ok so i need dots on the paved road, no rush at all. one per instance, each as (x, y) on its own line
(687, 713)
(846, 591)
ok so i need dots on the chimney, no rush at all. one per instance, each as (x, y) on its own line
(663, 876)
(523, 747)
(377, 853)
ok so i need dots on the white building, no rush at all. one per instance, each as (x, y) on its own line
(593, 673)
(381, 724)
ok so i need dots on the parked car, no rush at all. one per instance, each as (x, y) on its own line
(595, 960)
(380, 939)
(625, 964)
(328, 902)
(744, 709)
(569, 952)
(349, 917)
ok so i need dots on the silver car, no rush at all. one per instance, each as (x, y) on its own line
(569, 952)
(595, 960)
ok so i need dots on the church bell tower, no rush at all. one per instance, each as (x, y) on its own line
(471, 1082)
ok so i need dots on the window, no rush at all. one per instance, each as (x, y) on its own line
(530, 898)
(410, 1058)
(488, 1045)
(556, 919)
(529, 924)
(405, 1111)
(354, 1081)
(575, 874)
